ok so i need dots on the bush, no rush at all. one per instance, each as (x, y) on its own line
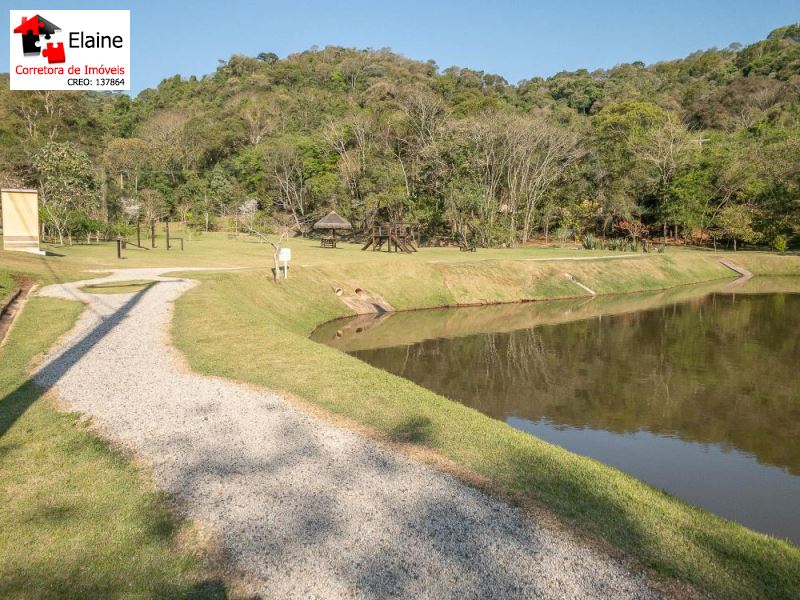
(621, 245)
(780, 243)
(590, 242)
(563, 234)
(120, 228)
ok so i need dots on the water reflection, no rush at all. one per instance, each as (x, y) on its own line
(697, 393)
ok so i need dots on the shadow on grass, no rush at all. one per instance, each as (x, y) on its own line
(14, 405)
(17, 585)
(84, 570)
(715, 554)
(416, 429)
(121, 287)
(211, 589)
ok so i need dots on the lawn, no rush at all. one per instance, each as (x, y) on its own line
(8, 286)
(89, 524)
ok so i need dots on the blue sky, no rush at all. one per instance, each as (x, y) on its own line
(517, 40)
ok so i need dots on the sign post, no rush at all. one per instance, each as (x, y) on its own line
(285, 255)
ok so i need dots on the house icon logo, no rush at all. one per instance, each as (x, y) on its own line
(32, 29)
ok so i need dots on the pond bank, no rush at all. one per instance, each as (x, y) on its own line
(259, 335)
(302, 507)
(691, 389)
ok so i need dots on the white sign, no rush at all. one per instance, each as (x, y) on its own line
(285, 255)
(70, 49)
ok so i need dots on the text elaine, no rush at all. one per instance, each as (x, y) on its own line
(78, 39)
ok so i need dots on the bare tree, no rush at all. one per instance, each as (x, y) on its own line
(519, 160)
(351, 140)
(286, 166)
(276, 247)
(152, 205)
(259, 118)
(546, 152)
(128, 157)
(663, 148)
(414, 131)
(172, 145)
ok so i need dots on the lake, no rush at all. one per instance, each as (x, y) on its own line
(695, 390)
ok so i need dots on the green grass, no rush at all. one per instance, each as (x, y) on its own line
(8, 286)
(118, 287)
(221, 250)
(270, 324)
(77, 520)
(67, 263)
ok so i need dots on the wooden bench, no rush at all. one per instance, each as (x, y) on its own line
(327, 242)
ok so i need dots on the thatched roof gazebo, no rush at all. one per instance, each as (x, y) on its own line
(333, 222)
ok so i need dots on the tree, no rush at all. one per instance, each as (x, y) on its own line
(66, 183)
(539, 161)
(288, 173)
(380, 136)
(268, 57)
(259, 119)
(662, 148)
(225, 193)
(735, 222)
(128, 157)
(688, 200)
(461, 208)
(152, 205)
(171, 143)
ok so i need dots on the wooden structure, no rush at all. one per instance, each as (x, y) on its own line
(397, 237)
(333, 222)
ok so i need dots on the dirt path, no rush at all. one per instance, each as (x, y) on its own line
(302, 507)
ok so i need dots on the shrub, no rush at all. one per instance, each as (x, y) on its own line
(590, 242)
(563, 234)
(780, 243)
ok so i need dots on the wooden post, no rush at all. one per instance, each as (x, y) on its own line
(152, 234)
(119, 248)
(138, 233)
(166, 228)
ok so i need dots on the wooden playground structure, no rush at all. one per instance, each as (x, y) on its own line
(123, 242)
(398, 237)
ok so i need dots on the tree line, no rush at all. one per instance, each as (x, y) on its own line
(701, 149)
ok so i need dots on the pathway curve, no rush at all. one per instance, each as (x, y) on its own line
(303, 508)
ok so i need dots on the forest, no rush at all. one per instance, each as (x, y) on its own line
(700, 150)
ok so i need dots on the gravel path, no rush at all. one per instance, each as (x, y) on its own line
(303, 508)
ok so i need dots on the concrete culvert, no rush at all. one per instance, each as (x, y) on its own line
(359, 291)
(337, 291)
